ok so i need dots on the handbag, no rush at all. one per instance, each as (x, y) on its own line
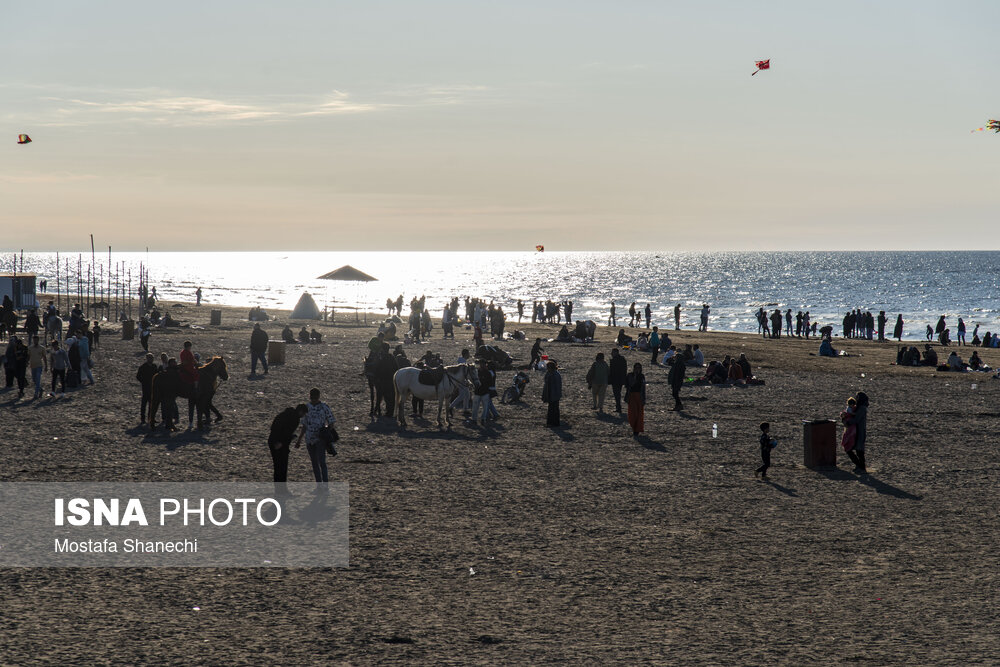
(327, 436)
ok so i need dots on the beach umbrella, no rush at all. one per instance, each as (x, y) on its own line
(348, 273)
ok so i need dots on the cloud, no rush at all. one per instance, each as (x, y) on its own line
(162, 108)
(24, 178)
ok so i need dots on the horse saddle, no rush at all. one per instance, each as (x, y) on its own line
(431, 376)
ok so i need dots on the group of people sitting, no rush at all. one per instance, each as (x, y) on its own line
(304, 336)
(583, 332)
(729, 371)
(910, 356)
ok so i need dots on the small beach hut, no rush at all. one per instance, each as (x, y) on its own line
(20, 287)
(348, 273)
(306, 309)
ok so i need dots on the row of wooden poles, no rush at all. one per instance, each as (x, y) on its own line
(102, 291)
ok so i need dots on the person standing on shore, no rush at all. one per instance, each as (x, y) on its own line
(654, 343)
(617, 373)
(897, 331)
(197, 297)
(704, 317)
(258, 348)
(860, 421)
(649, 314)
(961, 331)
(189, 379)
(677, 317)
(280, 441)
(612, 320)
(552, 393)
(635, 395)
(145, 377)
(318, 416)
(597, 380)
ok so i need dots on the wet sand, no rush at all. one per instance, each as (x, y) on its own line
(587, 546)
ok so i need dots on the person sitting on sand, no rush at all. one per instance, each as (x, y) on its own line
(826, 348)
(564, 336)
(930, 356)
(697, 357)
(955, 362)
(304, 335)
(169, 321)
(669, 356)
(623, 340)
(288, 335)
(945, 338)
(975, 363)
(316, 336)
(736, 373)
(687, 355)
(744, 364)
(642, 342)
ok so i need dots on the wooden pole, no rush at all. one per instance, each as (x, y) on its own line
(57, 280)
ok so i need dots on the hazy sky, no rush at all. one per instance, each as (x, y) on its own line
(473, 125)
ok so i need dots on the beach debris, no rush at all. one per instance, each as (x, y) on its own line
(974, 385)
(762, 65)
(715, 430)
(23, 139)
(195, 608)
(356, 428)
(472, 571)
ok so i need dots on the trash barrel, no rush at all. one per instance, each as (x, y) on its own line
(128, 330)
(819, 439)
(216, 318)
(275, 352)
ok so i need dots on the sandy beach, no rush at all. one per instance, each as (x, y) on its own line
(517, 544)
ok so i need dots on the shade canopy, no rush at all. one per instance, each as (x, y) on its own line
(348, 273)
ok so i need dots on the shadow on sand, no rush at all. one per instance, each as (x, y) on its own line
(867, 479)
(650, 444)
(778, 487)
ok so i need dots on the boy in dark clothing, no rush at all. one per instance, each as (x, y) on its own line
(617, 372)
(766, 445)
(536, 353)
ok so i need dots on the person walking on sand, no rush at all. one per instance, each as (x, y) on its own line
(318, 416)
(766, 445)
(675, 378)
(961, 331)
(58, 362)
(597, 381)
(37, 362)
(635, 396)
(654, 343)
(279, 443)
(633, 316)
(552, 393)
(617, 374)
(258, 349)
(897, 331)
(860, 422)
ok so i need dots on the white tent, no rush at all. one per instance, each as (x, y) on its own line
(306, 309)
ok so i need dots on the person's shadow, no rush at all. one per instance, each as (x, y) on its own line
(885, 488)
(650, 444)
(779, 487)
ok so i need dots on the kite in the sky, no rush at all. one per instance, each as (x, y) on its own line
(762, 65)
(540, 248)
(23, 139)
(990, 125)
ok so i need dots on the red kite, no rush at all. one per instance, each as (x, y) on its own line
(762, 65)
(540, 248)
(23, 139)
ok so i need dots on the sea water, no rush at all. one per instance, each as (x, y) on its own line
(920, 285)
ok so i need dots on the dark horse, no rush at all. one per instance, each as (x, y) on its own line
(209, 376)
(379, 371)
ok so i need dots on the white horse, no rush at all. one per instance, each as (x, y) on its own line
(406, 383)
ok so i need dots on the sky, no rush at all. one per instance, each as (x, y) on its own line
(246, 125)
